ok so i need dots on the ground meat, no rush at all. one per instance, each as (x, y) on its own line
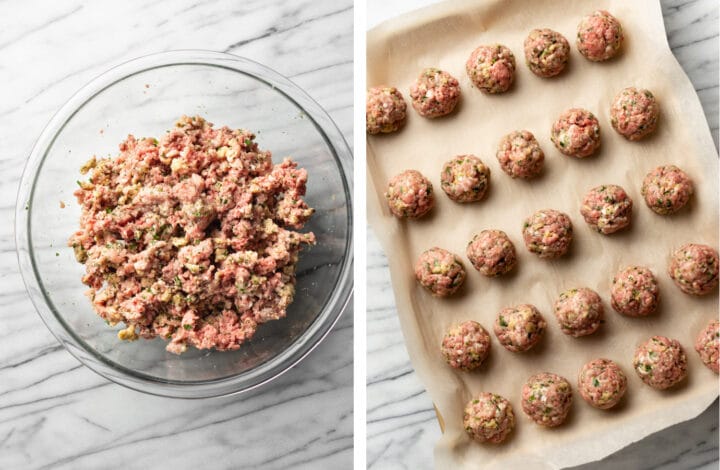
(660, 362)
(579, 311)
(520, 155)
(607, 208)
(384, 110)
(492, 253)
(546, 52)
(435, 93)
(667, 189)
(410, 195)
(707, 345)
(440, 272)
(488, 418)
(694, 268)
(491, 68)
(465, 178)
(548, 233)
(634, 113)
(599, 36)
(193, 237)
(635, 292)
(602, 383)
(546, 399)
(576, 133)
(519, 328)
(466, 346)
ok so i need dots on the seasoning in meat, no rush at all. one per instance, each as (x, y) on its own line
(546, 399)
(520, 155)
(410, 195)
(491, 68)
(488, 418)
(579, 311)
(602, 383)
(666, 189)
(192, 237)
(519, 328)
(440, 272)
(465, 178)
(707, 345)
(435, 93)
(634, 113)
(599, 36)
(694, 268)
(607, 208)
(384, 110)
(546, 52)
(466, 346)
(492, 253)
(660, 362)
(635, 292)
(548, 233)
(576, 133)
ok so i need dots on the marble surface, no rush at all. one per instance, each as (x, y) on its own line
(55, 413)
(402, 428)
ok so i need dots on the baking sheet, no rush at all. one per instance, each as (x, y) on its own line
(443, 36)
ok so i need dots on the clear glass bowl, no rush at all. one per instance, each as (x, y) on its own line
(145, 97)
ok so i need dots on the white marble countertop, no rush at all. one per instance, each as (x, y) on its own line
(55, 413)
(402, 427)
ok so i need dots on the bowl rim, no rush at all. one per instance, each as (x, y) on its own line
(267, 371)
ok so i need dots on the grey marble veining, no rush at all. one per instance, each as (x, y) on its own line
(55, 413)
(402, 427)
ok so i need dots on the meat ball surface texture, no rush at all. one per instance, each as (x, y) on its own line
(491, 68)
(635, 292)
(410, 195)
(694, 268)
(435, 93)
(519, 328)
(384, 110)
(546, 52)
(520, 155)
(465, 178)
(707, 346)
(548, 233)
(599, 36)
(634, 113)
(576, 133)
(492, 253)
(660, 362)
(667, 189)
(466, 346)
(602, 383)
(546, 399)
(488, 418)
(607, 208)
(579, 312)
(440, 272)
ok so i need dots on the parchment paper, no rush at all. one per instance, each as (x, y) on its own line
(443, 36)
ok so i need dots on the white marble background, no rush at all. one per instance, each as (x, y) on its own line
(402, 428)
(55, 413)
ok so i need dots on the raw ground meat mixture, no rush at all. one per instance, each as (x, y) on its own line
(548, 233)
(519, 328)
(607, 208)
(576, 133)
(192, 237)
(635, 292)
(634, 113)
(546, 399)
(602, 383)
(466, 346)
(492, 253)
(409, 194)
(488, 418)
(520, 155)
(491, 68)
(546, 52)
(439, 271)
(660, 362)
(694, 268)
(435, 93)
(707, 345)
(384, 110)
(465, 178)
(579, 312)
(666, 189)
(599, 36)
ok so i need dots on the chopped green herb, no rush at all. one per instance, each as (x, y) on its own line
(187, 327)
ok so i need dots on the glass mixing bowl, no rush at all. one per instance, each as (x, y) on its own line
(145, 97)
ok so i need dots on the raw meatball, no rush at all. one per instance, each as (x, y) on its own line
(660, 362)
(579, 311)
(435, 93)
(707, 345)
(492, 253)
(519, 328)
(634, 113)
(488, 418)
(694, 268)
(548, 233)
(602, 383)
(440, 272)
(546, 399)
(384, 110)
(607, 208)
(410, 194)
(635, 292)
(599, 36)
(491, 68)
(520, 155)
(546, 52)
(465, 178)
(466, 346)
(667, 189)
(576, 133)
